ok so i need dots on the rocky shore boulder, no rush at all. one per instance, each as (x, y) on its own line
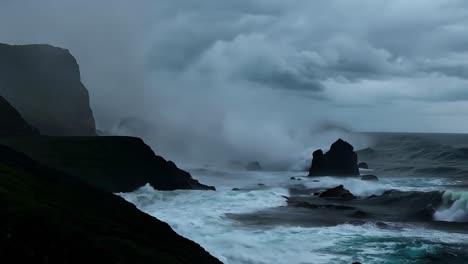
(114, 164)
(340, 160)
(47, 216)
(12, 123)
(43, 83)
(363, 165)
(338, 192)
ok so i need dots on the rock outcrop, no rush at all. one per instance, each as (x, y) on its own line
(43, 83)
(50, 217)
(363, 165)
(12, 123)
(114, 164)
(338, 192)
(340, 160)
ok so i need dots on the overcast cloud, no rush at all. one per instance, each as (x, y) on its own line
(259, 78)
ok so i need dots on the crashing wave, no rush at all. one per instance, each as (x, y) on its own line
(454, 208)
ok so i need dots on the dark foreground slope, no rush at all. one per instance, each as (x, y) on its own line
(11, 121)
(49, 217)
(43, 83)
(114, 164)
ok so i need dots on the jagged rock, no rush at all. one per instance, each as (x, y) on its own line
(369, 178)
(340, 160)
(338, 192)
(114, 164)
(12, 123)
(254, 166)
(47, 216)
(363, 165)
(43, 83)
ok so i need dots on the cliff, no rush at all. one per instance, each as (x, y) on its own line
(11, 121)
(43, 83)
(50, 217)
(114, 164)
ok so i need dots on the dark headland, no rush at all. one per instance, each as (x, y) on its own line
(57, 178)
(43, 83)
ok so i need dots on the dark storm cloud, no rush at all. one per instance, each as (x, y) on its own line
(253, 77)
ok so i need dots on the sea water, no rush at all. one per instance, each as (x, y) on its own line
(204, 217)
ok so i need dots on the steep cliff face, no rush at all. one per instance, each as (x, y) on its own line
(114, 164)
(11, 122)
(49, 217)
(43, 83)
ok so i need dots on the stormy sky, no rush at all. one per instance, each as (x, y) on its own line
(260, 77)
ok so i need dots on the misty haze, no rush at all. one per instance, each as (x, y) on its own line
(260, 131)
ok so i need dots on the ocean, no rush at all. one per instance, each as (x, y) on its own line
(416, 213)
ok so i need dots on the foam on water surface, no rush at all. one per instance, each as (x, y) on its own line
(455, 207)
(201, 216)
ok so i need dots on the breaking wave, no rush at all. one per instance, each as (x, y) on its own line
(454, 208)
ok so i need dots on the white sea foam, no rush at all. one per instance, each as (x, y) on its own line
(354, 185)
(367, 188)
(454, 208)
(201, 216)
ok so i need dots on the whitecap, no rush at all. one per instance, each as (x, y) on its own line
(454, 208)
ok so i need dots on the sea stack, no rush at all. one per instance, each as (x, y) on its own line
(340, 160)
(43, 83)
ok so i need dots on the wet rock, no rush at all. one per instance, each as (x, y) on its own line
(363, 165)
(338, 192)
(369, 178)
(340, 160)
(292, 178)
